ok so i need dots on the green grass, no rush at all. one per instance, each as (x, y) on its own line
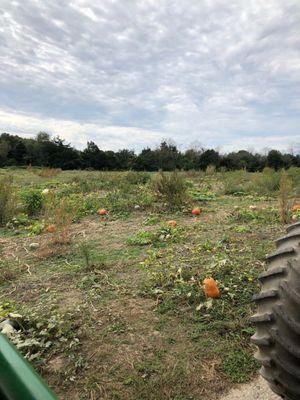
(238, 365)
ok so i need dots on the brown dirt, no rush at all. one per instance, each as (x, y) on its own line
(256, 390)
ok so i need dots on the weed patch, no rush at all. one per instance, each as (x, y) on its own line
(7, 199)
(170, 189)
(160, 236)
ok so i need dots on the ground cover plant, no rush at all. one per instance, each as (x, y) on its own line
(112, 305)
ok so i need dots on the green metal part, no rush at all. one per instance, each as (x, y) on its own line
(18, 380)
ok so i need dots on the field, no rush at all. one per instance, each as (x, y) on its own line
(112, 306)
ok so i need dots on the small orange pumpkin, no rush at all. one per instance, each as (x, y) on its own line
(172, 222)
(210, 288)
(296, 207)
(51, 228)
(102, 211)
(196, 211)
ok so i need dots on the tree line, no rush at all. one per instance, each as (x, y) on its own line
(45, 151)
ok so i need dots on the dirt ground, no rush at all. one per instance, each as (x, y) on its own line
(256, 390)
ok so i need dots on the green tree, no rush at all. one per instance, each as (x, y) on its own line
(209, 157)
(4, 149)
(147, 160)
(93, 157)
(275, 160)
(168, 156)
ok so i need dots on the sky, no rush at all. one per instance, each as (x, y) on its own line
(128, 73)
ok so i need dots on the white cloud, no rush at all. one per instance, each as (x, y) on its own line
(262, 144)
(216, 71)
(108, 137)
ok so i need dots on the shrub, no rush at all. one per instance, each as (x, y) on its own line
(136, 178)
(7, 199)
(33, 201)
(210, 169)
(170, 188)
(266, 182)
(236, 183)
(294, 176)
(65, 213)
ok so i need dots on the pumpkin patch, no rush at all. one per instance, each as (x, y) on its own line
(118, 264)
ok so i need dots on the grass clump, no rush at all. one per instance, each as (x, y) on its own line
(284, 193)
(63, 218)
(7, 199)
(266, 182)
(8, 272)
(161, 235)
(49, 172)
(170, 188)
(238, 365)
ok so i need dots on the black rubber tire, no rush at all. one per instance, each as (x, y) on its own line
(278, 317)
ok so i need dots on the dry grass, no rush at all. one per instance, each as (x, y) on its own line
(210, 170)
(284, 193)
(49, 172)
(7, 199)
(63, 217)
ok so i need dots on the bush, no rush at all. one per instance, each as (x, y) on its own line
(266, 182)
(170, 188)
(33, 201)
(136, 178)
(7, 199)
(210, 170)
(236, 183)
(294, 176)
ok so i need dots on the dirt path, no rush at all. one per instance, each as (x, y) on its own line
(256, 390)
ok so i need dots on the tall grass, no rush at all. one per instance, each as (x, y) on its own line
(7, 199)
(266, 182)
(64, 215)
(284, 193)
(170, 188)
(210, 169)
(49, 172)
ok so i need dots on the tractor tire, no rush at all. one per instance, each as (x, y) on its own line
(277, 320)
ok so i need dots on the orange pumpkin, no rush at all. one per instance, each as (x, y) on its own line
(296, 207)
(102, 211)
(196, 211)
(51, 228)
(210, 288)
(172, 223)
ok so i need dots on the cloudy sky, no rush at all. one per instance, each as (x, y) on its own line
(126, 73)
